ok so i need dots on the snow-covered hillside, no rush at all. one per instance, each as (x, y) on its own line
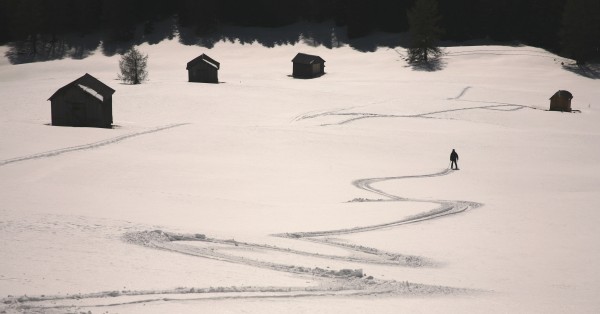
(265, 194)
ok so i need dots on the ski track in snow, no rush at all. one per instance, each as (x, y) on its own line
(445, 208)
(349, 117)
(355, 116)
(345, 282)
(462, 93)
(81, 303)
(109, 141)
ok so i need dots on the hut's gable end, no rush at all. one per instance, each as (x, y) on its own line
(562, 94)
(202, 66)
(95, 84)
(77, 107)
(203, 59)
(203, 69)
(561, 101)
(84, 102)
(91, 92)
(212, 64)
(308, 66)
(92, 84)
(303, 58)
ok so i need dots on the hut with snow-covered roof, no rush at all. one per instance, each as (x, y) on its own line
(85, 102)
(203, 69)
(308, 66)
(561, 101)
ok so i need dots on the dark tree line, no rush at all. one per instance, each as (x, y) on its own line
(566, 26)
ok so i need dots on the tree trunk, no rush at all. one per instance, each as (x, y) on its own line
(136, 80)
(34, 44)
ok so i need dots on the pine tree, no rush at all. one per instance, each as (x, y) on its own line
(133, 67)
(423, 21)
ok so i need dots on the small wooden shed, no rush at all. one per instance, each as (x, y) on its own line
(203, 69)
(308, 66)
(85, 102)
(561, 101)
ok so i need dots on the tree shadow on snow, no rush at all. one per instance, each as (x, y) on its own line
(81, 46)
(267, 37)
(324, 34)
(590, 70)
(44, 49)
(313, 34)
(433, 65)
(166, 29)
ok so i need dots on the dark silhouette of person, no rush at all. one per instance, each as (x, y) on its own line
(453, 159)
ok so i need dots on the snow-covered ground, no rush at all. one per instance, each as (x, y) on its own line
(265, 188)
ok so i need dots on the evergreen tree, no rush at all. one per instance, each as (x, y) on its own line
(423, 21)
(119, 18)
(133, 67)
(359, 18)
(580, 34)
(26, 23)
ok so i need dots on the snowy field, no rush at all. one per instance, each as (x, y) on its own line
(268, 194)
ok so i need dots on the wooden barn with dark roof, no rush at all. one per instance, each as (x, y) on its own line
(308, 66)
(561, 101)
(203, 69)
(85, 102)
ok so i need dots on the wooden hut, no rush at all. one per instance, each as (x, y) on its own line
(85, 102)
(561, 101)
(308, 66)
(203, 69)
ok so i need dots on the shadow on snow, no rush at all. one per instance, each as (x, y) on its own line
(77, 46)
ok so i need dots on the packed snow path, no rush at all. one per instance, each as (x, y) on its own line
(109, 141)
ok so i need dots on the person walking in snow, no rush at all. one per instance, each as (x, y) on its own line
(453, 160)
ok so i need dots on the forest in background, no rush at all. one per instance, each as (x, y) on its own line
(39, 29)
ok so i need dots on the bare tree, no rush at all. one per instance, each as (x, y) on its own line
(133, 67)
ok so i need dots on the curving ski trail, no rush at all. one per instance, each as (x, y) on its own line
(445, 208)
(344, 282)
(177, 242)
(349, 117)
(355, 116)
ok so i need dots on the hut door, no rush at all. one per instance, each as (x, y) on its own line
(78, 114)
(204, 75)
(316, 69)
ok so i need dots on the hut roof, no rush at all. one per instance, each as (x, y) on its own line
(203, 58)
(91, 92)
(88, 84)
(303, 58)
(562, 94)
